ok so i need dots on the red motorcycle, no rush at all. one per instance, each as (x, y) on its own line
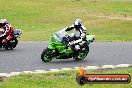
(11, 44)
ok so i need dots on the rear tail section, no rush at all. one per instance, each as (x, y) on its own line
(90, 38)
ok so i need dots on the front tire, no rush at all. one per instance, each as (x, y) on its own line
(46, 55)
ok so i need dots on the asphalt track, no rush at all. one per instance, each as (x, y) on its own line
(26, 57)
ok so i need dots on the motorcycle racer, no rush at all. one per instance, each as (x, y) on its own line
(78, 37)
(70, 42)
(7, 31)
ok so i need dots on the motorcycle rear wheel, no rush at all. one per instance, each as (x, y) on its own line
(83, 53)
(12, 44)
(15, 42)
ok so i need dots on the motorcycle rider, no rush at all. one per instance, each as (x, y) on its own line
(7, 31)
(77, 39)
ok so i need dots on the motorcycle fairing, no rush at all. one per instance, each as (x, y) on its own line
(57, 44)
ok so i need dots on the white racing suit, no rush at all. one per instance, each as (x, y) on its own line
(78, 37)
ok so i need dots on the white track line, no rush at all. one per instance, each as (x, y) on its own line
(54, 70)
(64, 69)
(40, 71)
(123, 65)
(108, 66)
(92, 67)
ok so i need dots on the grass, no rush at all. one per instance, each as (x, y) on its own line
(38, 19)
(65, 79)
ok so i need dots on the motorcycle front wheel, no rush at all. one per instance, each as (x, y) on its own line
(46, 55)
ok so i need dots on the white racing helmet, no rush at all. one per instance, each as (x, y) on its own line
(3, 22)
(78, 22)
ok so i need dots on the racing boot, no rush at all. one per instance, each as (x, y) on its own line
(75, 50)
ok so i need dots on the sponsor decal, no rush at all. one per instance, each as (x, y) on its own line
(83, 78)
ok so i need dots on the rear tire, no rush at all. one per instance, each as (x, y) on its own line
(45, 56)
(83, 53)
(12, 44)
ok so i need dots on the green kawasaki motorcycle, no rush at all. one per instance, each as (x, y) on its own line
(59, 50)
